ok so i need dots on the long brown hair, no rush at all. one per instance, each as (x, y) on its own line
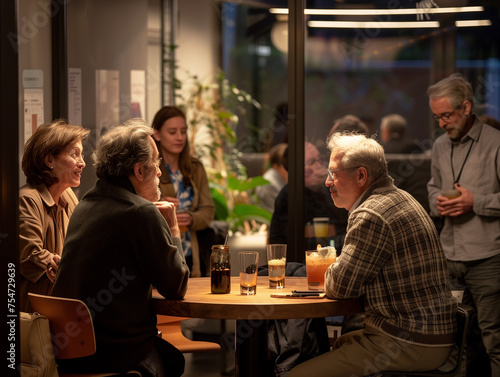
(185, 158)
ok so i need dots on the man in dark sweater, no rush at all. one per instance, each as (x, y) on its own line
(120, 243)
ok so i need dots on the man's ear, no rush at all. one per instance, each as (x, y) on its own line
(139, 172)
(467, 107)
(362, 176)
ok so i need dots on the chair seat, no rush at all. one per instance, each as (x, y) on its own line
(170, 328)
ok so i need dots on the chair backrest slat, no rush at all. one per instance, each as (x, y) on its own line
(70, 325)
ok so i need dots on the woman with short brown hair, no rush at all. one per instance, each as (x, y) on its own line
(53, 163)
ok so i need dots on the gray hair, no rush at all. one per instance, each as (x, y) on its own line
(122, 147)
(455, 87)
(359, 150)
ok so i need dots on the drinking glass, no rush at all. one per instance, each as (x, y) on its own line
(317, 262)
(276, 262)
(321, 230)
(248, 263)
(451, 194)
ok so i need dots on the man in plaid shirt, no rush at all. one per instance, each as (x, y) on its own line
(392, 258)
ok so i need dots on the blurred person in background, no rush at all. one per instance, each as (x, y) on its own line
(184, 182)
(490, 121)
(53, 164)
(409, 173)
(277, 175)
(393, 132)
(350, 123)
(317, 202)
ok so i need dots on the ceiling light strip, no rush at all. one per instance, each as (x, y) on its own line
(390, 11)
(472, 23)
(373, 24)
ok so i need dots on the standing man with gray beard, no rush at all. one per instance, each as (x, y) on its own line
(467, 159)
(120, 243)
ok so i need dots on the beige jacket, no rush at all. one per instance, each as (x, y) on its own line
(202, 210)
(42, 230)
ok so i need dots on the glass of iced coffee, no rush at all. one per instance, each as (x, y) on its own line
(276, 262)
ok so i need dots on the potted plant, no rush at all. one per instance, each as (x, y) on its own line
(215, 109)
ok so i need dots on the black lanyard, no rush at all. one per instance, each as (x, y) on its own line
(463, 164)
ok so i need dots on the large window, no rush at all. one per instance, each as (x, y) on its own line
(366, 58)
(367, 65)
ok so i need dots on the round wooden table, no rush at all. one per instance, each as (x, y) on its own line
(251, 312)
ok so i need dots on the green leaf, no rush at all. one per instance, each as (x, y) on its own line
(246, 184)
(250, 211)
(220, 203)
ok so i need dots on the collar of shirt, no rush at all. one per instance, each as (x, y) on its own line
(356, 203)
(47, 199)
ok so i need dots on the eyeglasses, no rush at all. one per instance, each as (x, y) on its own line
(445, 116)
(158, 162)
(330, 172)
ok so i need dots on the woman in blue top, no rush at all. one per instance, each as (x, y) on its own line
(184, 182)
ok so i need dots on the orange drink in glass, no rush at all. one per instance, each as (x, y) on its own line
(317, 262)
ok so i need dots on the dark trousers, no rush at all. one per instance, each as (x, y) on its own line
(293, 341)
(164, 360)
(480, 281)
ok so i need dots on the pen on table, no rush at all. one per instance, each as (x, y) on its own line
(314, 292)
(295, 295)
(304, 294)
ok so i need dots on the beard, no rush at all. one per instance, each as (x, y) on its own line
(455, 134)
(151, 189)
(158, 191)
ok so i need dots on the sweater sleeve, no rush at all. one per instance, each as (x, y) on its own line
(435, 184)
(33, 256)
(203, 211)
(160, 255)
(367, 247)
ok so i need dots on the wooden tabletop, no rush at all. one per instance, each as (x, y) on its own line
(199, 302)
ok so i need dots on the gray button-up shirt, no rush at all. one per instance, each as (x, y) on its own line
(476, 234)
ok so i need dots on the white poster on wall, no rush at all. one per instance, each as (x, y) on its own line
(33, 111)
(138, 93)
(33, 101)
(107, 100)
(75, 96)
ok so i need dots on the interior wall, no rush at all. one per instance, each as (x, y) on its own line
(34, 46)
(154, 61)
(105, 35)
(198, 38)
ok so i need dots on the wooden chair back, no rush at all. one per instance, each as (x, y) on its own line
(70, 325)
